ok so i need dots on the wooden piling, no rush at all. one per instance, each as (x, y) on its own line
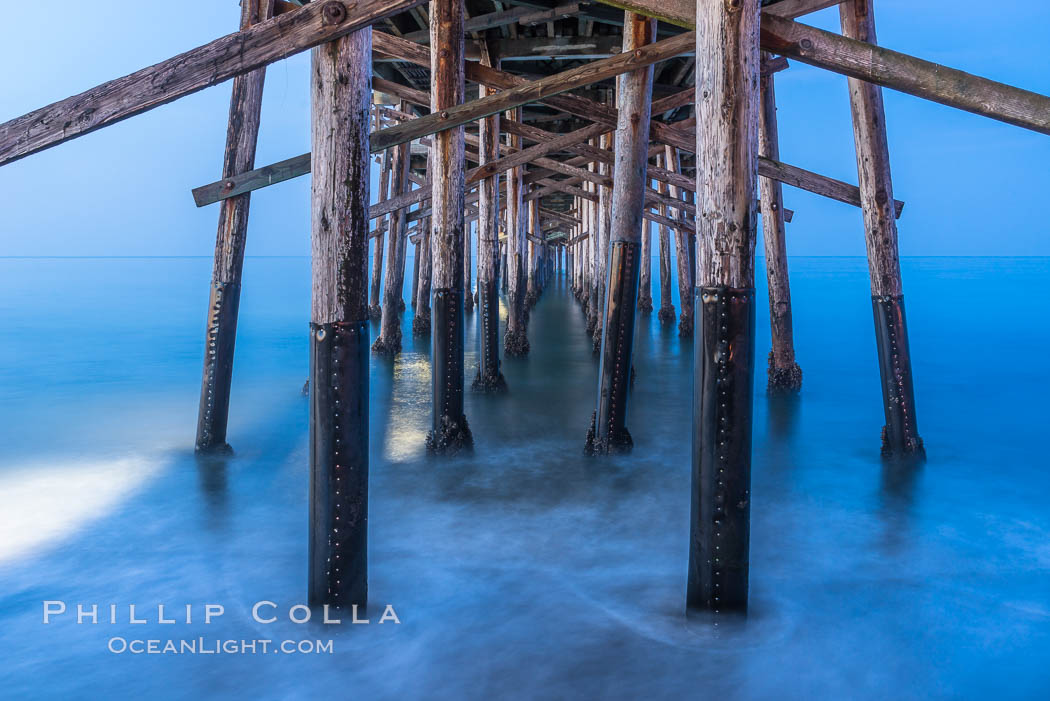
(468, 287)
(608, 431)
(593, 319)
(242, 134)
(516, 340)
(784, 374)
(900, 435)
(605, 201)
(666, 313)
(685, 258)
(339, 327)
(421, 318)
(645, 279)
(375, 309)
(532, 287)
(727, 104)
(450, 432)
(415, 274)
(489, 377)
(389, 340)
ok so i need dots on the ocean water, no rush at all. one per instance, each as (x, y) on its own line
(526, 570)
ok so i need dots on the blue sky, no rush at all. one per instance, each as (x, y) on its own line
(972, 186)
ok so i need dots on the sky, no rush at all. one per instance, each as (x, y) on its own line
(972, 186)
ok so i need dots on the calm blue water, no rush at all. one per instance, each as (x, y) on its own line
(525, 571)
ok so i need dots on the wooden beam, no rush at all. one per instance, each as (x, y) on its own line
(534, 48)
(682, 13)
(663, 133)
(559, 12)
(190, 72)
(874, 64)
(491, 20)
(532, 92)
(403, 92)
(914, 76)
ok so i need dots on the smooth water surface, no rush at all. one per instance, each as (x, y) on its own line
(526, 570)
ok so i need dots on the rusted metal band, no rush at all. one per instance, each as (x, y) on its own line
(900, 435)
(723, 383)
(221, 335)
(450, 432)
(617, 343)
(338, 555)
(489, 377)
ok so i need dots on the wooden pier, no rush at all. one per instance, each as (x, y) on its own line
(549, 137)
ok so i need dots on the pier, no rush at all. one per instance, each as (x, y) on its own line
(524, 140)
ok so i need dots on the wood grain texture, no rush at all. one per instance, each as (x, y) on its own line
(772, 207)
(633, 103)
(242, 136)
(341, 100)
(448, 176)
(187, 73)
(727, 69)
(377, 254)
(389, 339)
(645, 275)
(515, 228)
(489, 201)
(873, 160)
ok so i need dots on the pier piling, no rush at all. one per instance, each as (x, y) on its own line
(609, 426)
(339, 327)
(450, 432)
(489, 377)
(242, 135)
(900, 435)
(727, 105)
(784, 374)
(645, 278)
(389, 340)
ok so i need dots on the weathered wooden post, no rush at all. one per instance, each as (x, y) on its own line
(516, 340)
(468, 291)
(900, 435)
(727, 105)
(503, 246)
(685, 254)
(784, 374)
(489, 377)
(532, 287)
(424, 267)
(421, 318)
(645, 292)
(666, 313)
(605, 200)
(342, 91)
(242, 134)
(389, 340)
(593, 246)
(450, 432)
(375, 309)
(415, 273)
(609, 426)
